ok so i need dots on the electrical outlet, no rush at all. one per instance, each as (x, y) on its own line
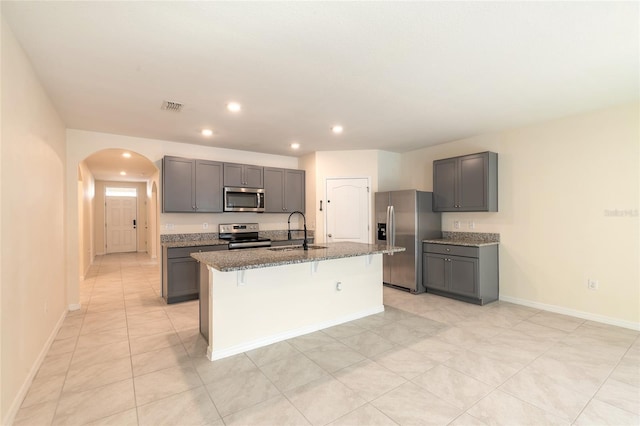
(592, 284)
(205, 225)
(472, 225)
(169, 226)
(456, 224)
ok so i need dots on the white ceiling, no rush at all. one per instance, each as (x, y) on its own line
(396, 75)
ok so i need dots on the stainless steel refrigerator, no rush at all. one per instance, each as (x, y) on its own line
(404, 219)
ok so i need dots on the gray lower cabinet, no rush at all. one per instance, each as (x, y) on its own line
(191, 186)
(467, 183)
(181, 272)
(284, 190)
(243, 175)
(462, 272)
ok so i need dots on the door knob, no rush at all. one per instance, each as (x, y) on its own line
(329, 235)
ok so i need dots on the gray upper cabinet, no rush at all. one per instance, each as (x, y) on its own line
(178, 184)
(191, 186)
(284, 190)
(444, 185)
(208, 186)
(467, 183)
(243, 175)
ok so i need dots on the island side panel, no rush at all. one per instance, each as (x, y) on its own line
(258, 307)
(204, 302)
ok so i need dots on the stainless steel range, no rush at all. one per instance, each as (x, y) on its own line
(242, 235)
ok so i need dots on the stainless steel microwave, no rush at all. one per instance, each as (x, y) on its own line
(243, 199)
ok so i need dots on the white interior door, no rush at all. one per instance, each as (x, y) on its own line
(121, 224)
(348, 210)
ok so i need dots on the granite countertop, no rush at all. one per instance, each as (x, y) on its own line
(195, 243)
(237, 260)
(470, 239)
(211, 238)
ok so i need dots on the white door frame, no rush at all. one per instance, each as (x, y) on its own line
(370, 196)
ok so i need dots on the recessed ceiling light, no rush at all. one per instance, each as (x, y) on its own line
(126, 154)
(207, 132)
(234, 106)
(123, 173)
(295, 145)
(337, 129)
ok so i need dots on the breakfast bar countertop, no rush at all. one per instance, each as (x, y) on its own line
(236, 260)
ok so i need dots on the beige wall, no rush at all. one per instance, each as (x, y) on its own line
(5, 415)
(99, 208)
(558, 181)
(389, 171)
(153, 216)
(86, 193)
(311, 208)
(32, 191)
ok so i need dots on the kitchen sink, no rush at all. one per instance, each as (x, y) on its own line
(296, 247)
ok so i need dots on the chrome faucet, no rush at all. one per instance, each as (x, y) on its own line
(304, 221)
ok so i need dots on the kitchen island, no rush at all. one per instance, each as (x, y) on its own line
(253, 298)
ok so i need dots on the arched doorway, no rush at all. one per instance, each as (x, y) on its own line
(106, 174)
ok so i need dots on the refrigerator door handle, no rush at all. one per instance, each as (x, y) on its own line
(388, 223)
(392, 226)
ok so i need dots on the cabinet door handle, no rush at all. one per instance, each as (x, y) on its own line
(448, 249)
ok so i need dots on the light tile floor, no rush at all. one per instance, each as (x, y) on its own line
(126, 358)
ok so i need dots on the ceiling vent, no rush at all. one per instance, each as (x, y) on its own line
(172, 106)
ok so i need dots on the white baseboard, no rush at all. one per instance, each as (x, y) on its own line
(573, 312)
(17, 401)
(258, 343)
(74, 306)
(86, 271)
